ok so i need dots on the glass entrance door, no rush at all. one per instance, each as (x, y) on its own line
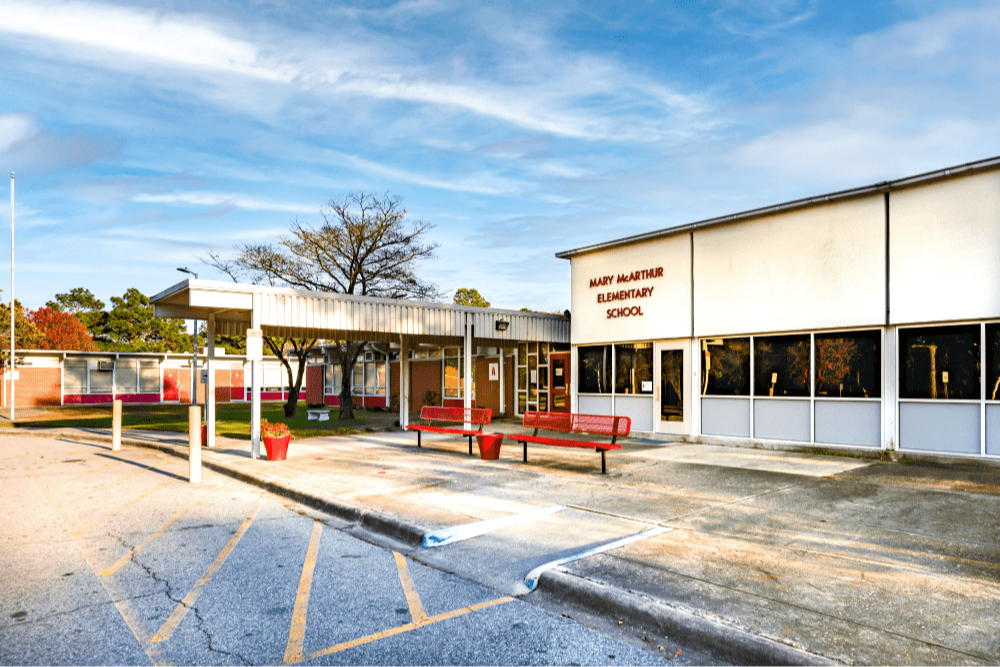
(672, 395)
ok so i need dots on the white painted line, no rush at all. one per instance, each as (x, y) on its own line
(531, 581)
(465, 531)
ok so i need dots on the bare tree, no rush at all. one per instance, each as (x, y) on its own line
(365, 246)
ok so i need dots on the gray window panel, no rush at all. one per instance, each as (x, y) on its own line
(595, 405)
(640, 410)
(939, 427)
(101, 381)
(993, 430)
(849, 423)
(781, 420)
(75, 377)
(725, 416)
(149, 377)
(126, 377)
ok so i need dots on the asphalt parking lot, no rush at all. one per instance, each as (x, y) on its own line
(114, 558)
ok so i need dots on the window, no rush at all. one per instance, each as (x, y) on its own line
(101, 381)
(454, 376)
(634, 368)
(993, 362)
(334, 378)
(594, 370)
(781, 365)
(358, 381)
(725, 367)
(149, 377)
(126, 377)
(848, 364)
(940, 363)
(75, 376)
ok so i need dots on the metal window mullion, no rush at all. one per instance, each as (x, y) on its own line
(982, 388)
(614, 379)
(812, 387)
(753, 388)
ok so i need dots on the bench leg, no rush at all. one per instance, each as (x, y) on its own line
(470, 445)
(525, 451)
(418, 438)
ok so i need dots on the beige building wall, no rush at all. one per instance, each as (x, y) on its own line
(665, 310)
(815, 268)
(944, 249)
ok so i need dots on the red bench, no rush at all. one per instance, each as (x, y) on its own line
(567, 422)
(439, 415)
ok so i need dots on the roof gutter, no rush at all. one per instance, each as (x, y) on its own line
(877, 188)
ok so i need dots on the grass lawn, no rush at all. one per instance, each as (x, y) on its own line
(231, 420)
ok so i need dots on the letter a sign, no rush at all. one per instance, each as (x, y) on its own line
(495, 371)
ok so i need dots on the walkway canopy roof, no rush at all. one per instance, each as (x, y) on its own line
(305, 314)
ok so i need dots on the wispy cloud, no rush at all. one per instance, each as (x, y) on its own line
(213, 199)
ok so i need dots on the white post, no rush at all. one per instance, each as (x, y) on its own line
(194, 444)
(467, 371)
(116, 426)
(257, 354)
(13, 365)
(503, 392)
(890, 397)
(404, 381)
(194, 366)
(210, 387)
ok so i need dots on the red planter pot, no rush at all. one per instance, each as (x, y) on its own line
(277, 448)
(489, 445)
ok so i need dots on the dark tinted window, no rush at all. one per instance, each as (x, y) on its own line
(634, 368)
(848, 364)
(781, 365)
(939, 362)
(595, 370)
(725, 367)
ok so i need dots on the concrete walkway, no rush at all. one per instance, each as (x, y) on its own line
(767, 556)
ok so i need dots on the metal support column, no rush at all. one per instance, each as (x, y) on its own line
(404, 382)
(210, 385)
(467, 371)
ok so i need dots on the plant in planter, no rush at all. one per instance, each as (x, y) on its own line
(276, 437)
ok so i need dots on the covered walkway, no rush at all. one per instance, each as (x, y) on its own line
(233, 309)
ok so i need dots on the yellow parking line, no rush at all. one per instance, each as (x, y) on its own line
(125, 505)
(128, 613)
(142, 545)
(417, 612)
(181, 610)
(406, 628)
(297, 631)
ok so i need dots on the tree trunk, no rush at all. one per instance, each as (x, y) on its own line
(348, 357)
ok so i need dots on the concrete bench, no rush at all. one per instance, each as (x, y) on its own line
(318, 415)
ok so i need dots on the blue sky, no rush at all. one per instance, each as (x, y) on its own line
(145, 135)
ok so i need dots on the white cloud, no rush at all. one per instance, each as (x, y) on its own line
(220, 199)
(547, 89)
(14, 128)
(175, 40)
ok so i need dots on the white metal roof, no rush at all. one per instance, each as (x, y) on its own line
(307, 314)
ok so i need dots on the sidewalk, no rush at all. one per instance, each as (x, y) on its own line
(768, 557)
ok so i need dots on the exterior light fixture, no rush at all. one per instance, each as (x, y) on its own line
(501, 325)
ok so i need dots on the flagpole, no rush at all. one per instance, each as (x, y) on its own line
(12, 297)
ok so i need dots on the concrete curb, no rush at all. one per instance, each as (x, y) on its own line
(727, 642)
(379, 522)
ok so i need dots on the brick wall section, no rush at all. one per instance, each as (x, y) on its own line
(426, 375)
(314, 385)
(36, 386)
(394, 385)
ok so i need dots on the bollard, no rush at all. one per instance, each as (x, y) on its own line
(194, 444)
(116, 426)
